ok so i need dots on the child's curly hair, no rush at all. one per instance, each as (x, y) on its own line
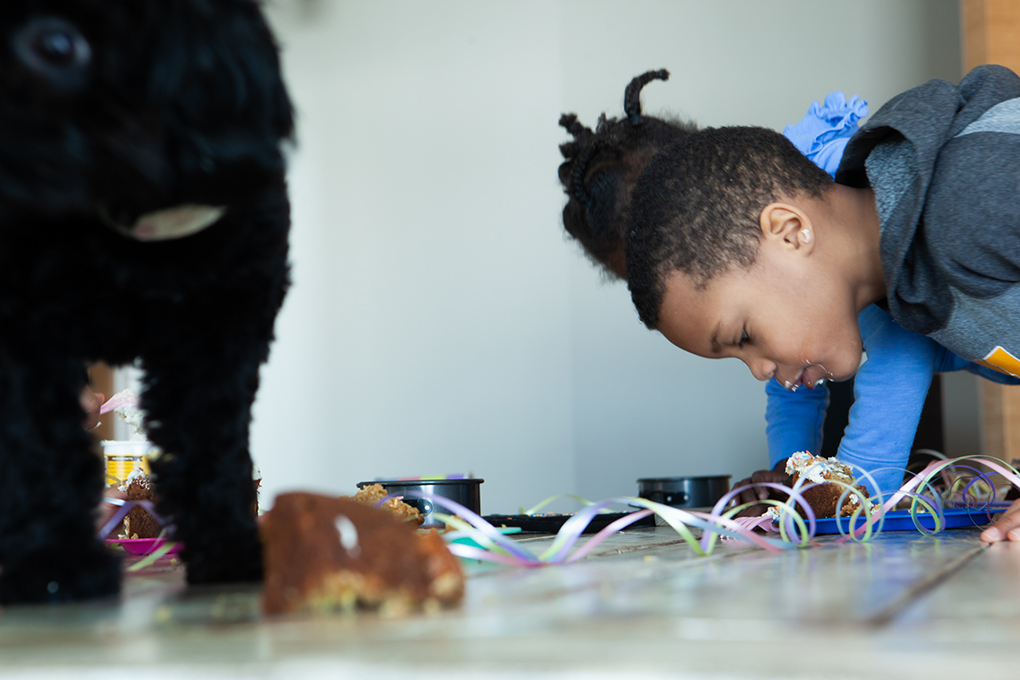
(697, 206)
(601, 168)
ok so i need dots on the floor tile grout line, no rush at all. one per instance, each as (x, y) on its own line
(929, 582)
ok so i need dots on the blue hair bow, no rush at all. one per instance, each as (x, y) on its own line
(825, 129)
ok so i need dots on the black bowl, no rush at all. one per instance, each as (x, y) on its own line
(463, 491)
(684, 492)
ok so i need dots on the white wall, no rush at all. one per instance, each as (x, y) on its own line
(439, 321)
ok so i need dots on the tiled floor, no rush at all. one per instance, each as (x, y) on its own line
(903, 606)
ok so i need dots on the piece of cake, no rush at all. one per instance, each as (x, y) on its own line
(821, 471)
(373, 493)
(324, 553)
(139, 522)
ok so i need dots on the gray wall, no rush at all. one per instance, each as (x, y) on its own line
(439, 321)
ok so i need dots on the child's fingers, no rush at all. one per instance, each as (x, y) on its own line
(749, 495)
(1007, 527)
(770, 477)
(753, 511)
(759, 493)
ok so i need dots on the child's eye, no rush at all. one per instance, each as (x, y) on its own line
(743, 338)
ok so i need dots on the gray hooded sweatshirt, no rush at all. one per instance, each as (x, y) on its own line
(944, 162)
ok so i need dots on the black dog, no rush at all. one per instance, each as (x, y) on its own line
(143, 214)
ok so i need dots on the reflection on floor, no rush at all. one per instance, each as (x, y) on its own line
(902, 606)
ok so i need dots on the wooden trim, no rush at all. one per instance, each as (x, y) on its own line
(101, 380)
(973, 25)
(991, 35)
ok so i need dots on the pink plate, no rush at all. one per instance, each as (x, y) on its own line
(142, 546)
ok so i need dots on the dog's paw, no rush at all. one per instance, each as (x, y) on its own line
(224, 564)
(60, 574)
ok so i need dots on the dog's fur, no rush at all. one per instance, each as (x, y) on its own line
(162, 103)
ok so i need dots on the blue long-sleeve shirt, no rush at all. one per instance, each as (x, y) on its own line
(891, 386)
(889, 392)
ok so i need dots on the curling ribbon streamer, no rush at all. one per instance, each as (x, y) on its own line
(796, 530)
(118, 518)
(125, 398)
(161, 550)
(122, 512)
(1008, 472)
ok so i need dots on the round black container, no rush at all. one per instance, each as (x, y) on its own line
(684, 492)
(463, 491)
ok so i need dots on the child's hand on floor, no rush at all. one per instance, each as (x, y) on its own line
(1006, 528)
(760, 493)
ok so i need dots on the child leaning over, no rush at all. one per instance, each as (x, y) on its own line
(599, 173)
(741, 247)
(890, 388)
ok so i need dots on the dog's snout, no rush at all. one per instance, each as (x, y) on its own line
(54, 49)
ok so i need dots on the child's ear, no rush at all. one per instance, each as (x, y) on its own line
(786, 225)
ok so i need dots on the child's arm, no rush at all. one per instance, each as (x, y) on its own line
(977, 369)
(889, 390)
(793, 420)
(889, 393)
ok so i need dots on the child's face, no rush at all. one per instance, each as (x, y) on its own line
(781, 316)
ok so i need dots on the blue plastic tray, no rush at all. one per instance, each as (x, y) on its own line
(899, 520)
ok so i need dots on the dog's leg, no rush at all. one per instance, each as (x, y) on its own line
(199, 406)
(50, 484)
